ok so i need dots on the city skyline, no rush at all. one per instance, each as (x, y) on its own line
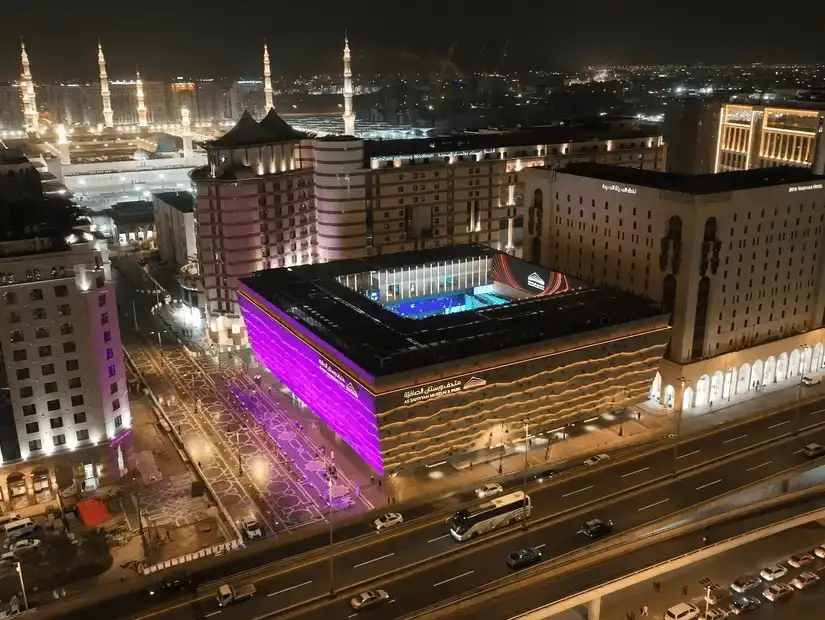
(303, 39)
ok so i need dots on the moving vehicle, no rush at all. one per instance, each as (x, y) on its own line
(391, 519)
(500, 510)
(815, 379)
(228, 595)
(596, 528)
(745, 584)
(487, 490)
(594, 460)
(813, 450)
(252, 529)
(744, 604)
(545, 475)
(805, 580)
(773, 572)
(172, 587)
(524, 558)
(798, 560)
(682, 611)
(777, 591)
(370, 598)
(714, 613)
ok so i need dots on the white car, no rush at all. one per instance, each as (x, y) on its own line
(814, 379)
(593, 460)
(777, 591)
(820, 552)
(714, 613)
(682, 611)
(773, 572)
(489, 489)
(28, 543)
(252, 529)
(798, 560)
(805, 580)
(391, 519)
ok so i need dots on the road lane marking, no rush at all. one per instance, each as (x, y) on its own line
(652, 505)
(214, 613)
(383, 557)
(800, 451)
(439, 538)
(441, 583)
(779, 424)
(709, 484)
(542, 545)
(684, 456)
(352, 615)
(638, 471)
(734, 439)
(300, 585)
(579, 491)
(758, 466)
(817, 411)
(392, 600)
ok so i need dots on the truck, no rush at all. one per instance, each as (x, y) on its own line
(230, 594)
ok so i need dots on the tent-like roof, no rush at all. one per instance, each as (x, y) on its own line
(248, 132)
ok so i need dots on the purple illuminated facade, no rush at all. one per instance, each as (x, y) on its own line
(330, 393)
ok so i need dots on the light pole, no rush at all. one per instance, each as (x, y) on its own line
(134, 314)
(524, 514)
(22, 585)
(707, 600)
(238, 445)
(330, 485)
(682, 381)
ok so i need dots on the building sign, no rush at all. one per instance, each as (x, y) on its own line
(535, 280)
(424, 393)
(336, 375)
(804, 188)
(618, 188)
(479, 152)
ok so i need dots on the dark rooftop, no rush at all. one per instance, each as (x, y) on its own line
(384, 343)
(182, 201)
(132, 212)
(248, 132)
(9, 156)
(529, 136)
(695, 183)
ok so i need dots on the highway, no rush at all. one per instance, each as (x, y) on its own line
(483, 562)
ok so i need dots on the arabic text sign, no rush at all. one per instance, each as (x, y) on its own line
(618, 188)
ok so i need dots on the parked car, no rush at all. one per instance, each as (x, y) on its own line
(812, 379)
(744, 604)
(524, 558)
(487, 490)
(252, 529)
(805, 580)
(777, 592)
(773, 572)
(25, 545)
(682, 611)
(745, 584)
(595, 460)
(798, 560)
(370, 598)
(820, 552)
(714, 613)
(391, 519)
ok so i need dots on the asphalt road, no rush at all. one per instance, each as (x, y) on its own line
(435, 582)
(721, 571)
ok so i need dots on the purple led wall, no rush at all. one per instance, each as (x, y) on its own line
(345, 406)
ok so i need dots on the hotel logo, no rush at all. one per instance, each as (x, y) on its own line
(336, 375)
(473, 383)
(536, 281)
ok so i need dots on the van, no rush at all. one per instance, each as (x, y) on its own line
(682, 611)
(9, 517)
(14, 526)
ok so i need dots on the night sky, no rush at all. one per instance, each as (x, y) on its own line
(217, 38)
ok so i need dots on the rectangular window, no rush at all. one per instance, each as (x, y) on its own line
(111, 370)
(116, 404)
(61, 290)
(107, 336)
(77, 400)
(39, 314)
(119, 421)
(66, 329)
(15, 317)
(109, 353)
(74, 383)
(26, 391)
(16, 335)
(32, 427)
(41, 332)
(113, 388)
(36, 294)
(59, 440)
(101, 300)
(72, 365)
(19, 355)
(45, 350)
(53, 405)
(80, 417)
(29, 409)
(47, 369)
(64, 310)
(104, 318)
(23, 374)
(56, 422)
(83, 435)
(35, 445)
(69, 347)
(50, 387)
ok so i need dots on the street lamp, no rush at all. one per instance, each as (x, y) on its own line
(330, 476)
(238, 444)
(22, 585)
(682, 381)
(524, 514)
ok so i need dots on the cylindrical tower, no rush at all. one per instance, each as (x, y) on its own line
(108, 115)
(268, 101)
(349, 115)
(141, 106)
(28, 97)
(340, 198)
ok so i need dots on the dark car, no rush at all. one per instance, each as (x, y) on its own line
(524, 558)
(596, 528)
(813, 450)
(545, 475)
(745, 604)
(171, 587)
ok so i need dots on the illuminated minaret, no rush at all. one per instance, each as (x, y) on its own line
(141, 107)
(349, 115)
(268, 103)
(108, 115)
(27, 91)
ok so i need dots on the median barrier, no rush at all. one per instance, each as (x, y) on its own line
(218, 549)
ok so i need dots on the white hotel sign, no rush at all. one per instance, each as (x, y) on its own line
(621, 189)
(804, 188)
(427, 392)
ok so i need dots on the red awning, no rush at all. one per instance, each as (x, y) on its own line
(92, 512)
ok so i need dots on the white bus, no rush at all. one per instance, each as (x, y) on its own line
(498, 511)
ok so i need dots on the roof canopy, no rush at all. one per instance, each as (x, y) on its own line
(248, 132)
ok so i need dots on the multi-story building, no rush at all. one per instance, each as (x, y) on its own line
(734, 256)
(761, 136)
(271, 196)
(11, 113)
(175, 227)
(691, 128)
(62, 367)
(247, 96)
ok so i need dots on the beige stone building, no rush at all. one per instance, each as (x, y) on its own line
(735, 257)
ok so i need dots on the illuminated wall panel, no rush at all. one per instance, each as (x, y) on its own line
(345, 406)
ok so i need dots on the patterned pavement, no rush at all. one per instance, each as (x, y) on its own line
(169, 502)
(215, 432)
